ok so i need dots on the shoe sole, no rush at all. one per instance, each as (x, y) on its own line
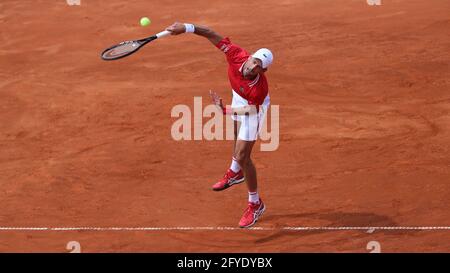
(231, 184)
(256, 218)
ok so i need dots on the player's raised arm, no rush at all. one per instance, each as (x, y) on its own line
(179, 28)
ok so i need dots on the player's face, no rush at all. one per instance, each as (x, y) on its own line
(252, 67)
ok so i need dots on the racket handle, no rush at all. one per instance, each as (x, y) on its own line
(163, 34)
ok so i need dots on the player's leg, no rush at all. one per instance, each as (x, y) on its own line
(255, 205)
(242, 154)
(250, 172)
(234, 175)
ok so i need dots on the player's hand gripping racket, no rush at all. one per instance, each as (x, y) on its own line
(129, 47)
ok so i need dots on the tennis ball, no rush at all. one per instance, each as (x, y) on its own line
(145, 21)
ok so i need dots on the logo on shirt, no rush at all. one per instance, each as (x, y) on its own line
(241, 89)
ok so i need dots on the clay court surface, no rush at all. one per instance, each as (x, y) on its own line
(364, 97)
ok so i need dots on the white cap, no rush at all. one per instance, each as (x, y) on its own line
(265, 56)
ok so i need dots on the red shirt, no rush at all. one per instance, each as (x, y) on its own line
(254, 91)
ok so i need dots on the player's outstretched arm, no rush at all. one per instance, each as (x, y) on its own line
(212, 36)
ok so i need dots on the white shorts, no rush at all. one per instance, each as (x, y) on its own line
(250, 124)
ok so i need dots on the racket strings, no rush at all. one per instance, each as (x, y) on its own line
(121, 49)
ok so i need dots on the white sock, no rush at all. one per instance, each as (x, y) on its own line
(235, 166)
(253, 197)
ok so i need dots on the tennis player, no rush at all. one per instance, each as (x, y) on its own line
(249, 105)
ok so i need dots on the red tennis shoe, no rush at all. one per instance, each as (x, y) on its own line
(252, 214)
(229, 179)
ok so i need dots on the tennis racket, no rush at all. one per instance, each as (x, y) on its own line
(127, 48)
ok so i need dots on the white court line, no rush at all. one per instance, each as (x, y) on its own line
(369, 229)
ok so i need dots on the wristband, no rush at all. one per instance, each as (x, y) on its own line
(190, 28)
(227, 111)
